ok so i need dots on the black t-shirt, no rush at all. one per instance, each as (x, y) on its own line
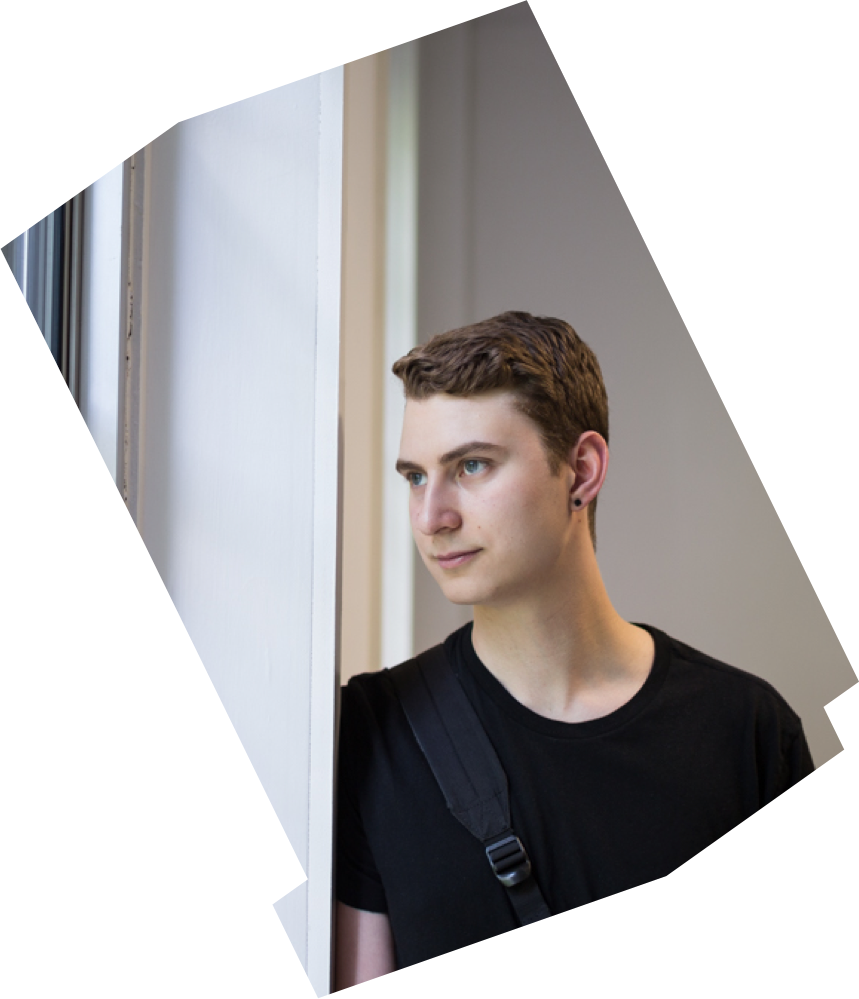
(601, 805)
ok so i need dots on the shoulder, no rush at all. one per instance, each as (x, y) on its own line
(375, 693)
(370, 707)
(718, 672)
(367, 703)
(727, 686)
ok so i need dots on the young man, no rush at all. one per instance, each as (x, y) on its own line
(626, 752)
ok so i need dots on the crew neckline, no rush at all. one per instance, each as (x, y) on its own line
(460, 649)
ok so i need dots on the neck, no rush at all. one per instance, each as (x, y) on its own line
(562, 650)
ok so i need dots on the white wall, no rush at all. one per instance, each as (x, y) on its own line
(519, 211)
(236, 490)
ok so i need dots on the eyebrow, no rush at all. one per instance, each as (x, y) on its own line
(448, 457)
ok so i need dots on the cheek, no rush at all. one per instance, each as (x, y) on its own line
(415, 506)
(531, 521)
(509, 518)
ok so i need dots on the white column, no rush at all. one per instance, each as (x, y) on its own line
(236, 303)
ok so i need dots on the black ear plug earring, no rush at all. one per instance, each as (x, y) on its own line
(577, 502)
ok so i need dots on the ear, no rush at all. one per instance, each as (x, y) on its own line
(589, 463)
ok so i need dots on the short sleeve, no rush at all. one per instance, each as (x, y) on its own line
(798, 759)
(358, 883)
(783, 754)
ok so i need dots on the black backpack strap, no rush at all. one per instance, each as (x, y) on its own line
(468, 771)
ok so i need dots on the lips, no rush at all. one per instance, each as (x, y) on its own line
(452, 555)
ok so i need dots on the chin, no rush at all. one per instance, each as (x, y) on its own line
(464, 592)
(457, 598)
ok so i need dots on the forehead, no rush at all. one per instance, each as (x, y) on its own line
(442, 422)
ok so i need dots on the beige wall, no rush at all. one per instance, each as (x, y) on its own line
(361, 369)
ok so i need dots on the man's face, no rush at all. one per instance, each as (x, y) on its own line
(490, 520)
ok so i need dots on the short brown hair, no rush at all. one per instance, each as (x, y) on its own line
(552, 371)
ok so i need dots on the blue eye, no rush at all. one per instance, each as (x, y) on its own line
(471, 466)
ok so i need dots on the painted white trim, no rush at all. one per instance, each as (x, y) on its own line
(131, 443)
(400, 337)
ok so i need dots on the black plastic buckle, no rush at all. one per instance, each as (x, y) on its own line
(509, 861)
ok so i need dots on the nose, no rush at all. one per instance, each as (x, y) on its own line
(436, 508)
